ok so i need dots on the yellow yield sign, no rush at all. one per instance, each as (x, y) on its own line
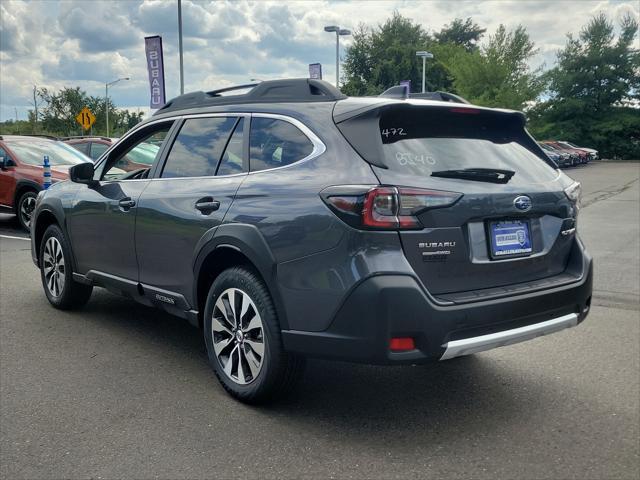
(86, 118)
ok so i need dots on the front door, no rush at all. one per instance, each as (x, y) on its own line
(189, 196)
(102, 219)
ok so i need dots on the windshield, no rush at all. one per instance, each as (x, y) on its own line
(422, 142)
(33, 151)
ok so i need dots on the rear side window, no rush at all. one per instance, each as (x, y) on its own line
(198, 147)
(81, 146)
(420, 142)
(98, 149)
(275, 143)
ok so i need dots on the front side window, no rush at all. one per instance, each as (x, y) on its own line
(276, 143)
(198, 147)
(138, 157)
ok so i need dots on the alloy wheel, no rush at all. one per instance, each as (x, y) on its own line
(238, 336)
(53, 266)
(26, 210)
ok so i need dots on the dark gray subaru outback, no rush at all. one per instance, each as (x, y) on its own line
(287, 220)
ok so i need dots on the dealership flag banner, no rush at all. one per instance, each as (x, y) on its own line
(315, 71)
(155, 64)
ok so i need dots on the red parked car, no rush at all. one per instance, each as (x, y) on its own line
(92, 147)
(21, 171)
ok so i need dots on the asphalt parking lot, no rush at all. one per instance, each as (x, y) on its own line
(119, 390)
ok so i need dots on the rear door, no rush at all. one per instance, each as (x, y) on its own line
(189, 197)
(503, 230)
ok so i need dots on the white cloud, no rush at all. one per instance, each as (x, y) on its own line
(85, 43)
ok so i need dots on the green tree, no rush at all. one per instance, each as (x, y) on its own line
(593, 89)
(61, 107)
(465, 33)
(498, 74)
(382, 57)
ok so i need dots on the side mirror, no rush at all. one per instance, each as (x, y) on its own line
(82, 173)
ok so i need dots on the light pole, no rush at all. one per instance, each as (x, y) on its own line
(339, 31)
(180, 46)
(424, 56)
(106, 98)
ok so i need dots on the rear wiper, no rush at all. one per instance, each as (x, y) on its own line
(492, 175)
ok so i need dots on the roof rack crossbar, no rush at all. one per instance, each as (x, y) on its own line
(286, 91)
(216, 92)
(401, 92)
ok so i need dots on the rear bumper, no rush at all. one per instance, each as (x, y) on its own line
(386, 306)
(467, 346)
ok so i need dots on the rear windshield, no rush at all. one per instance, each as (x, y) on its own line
(420, 141)
(32, 151)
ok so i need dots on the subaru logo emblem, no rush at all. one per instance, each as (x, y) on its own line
(522, 203)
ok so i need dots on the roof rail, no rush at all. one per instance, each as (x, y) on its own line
(73, 137)
(440, 96)
(401, 92)
(42, 135)
(292, 90)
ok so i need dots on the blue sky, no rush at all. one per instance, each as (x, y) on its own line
(88, 42)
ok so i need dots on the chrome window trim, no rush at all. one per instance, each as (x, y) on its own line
(318, 146)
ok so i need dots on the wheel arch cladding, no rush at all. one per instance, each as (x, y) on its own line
(24, 186)
(44, 219)
(232, 245)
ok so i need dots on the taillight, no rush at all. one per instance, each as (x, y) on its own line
(385, 208)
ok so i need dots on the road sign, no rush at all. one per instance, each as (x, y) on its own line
(86, 118)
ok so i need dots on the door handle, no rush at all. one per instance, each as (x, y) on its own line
(207, 205)
(126, 203)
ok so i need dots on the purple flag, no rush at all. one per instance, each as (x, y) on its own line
(315, 71)
(155, 65)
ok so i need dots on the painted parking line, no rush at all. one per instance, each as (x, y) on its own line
(15, 238)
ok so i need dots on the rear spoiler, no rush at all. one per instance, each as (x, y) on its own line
(361, 127)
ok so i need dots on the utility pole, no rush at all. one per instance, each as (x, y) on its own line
(35, 104)
(180, 46)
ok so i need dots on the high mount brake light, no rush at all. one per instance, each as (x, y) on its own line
(468, 111)
(386, 208)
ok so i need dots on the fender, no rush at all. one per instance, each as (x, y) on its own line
(54, 207)
(24, 182)
(248, 240)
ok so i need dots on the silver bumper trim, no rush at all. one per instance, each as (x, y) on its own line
(467, 346)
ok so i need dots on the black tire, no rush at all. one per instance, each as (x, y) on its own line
(279, 371)
(68, 294)
(24, 208)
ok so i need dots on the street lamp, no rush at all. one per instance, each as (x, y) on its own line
(424, 56)
(339, 31)
(106, 98)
